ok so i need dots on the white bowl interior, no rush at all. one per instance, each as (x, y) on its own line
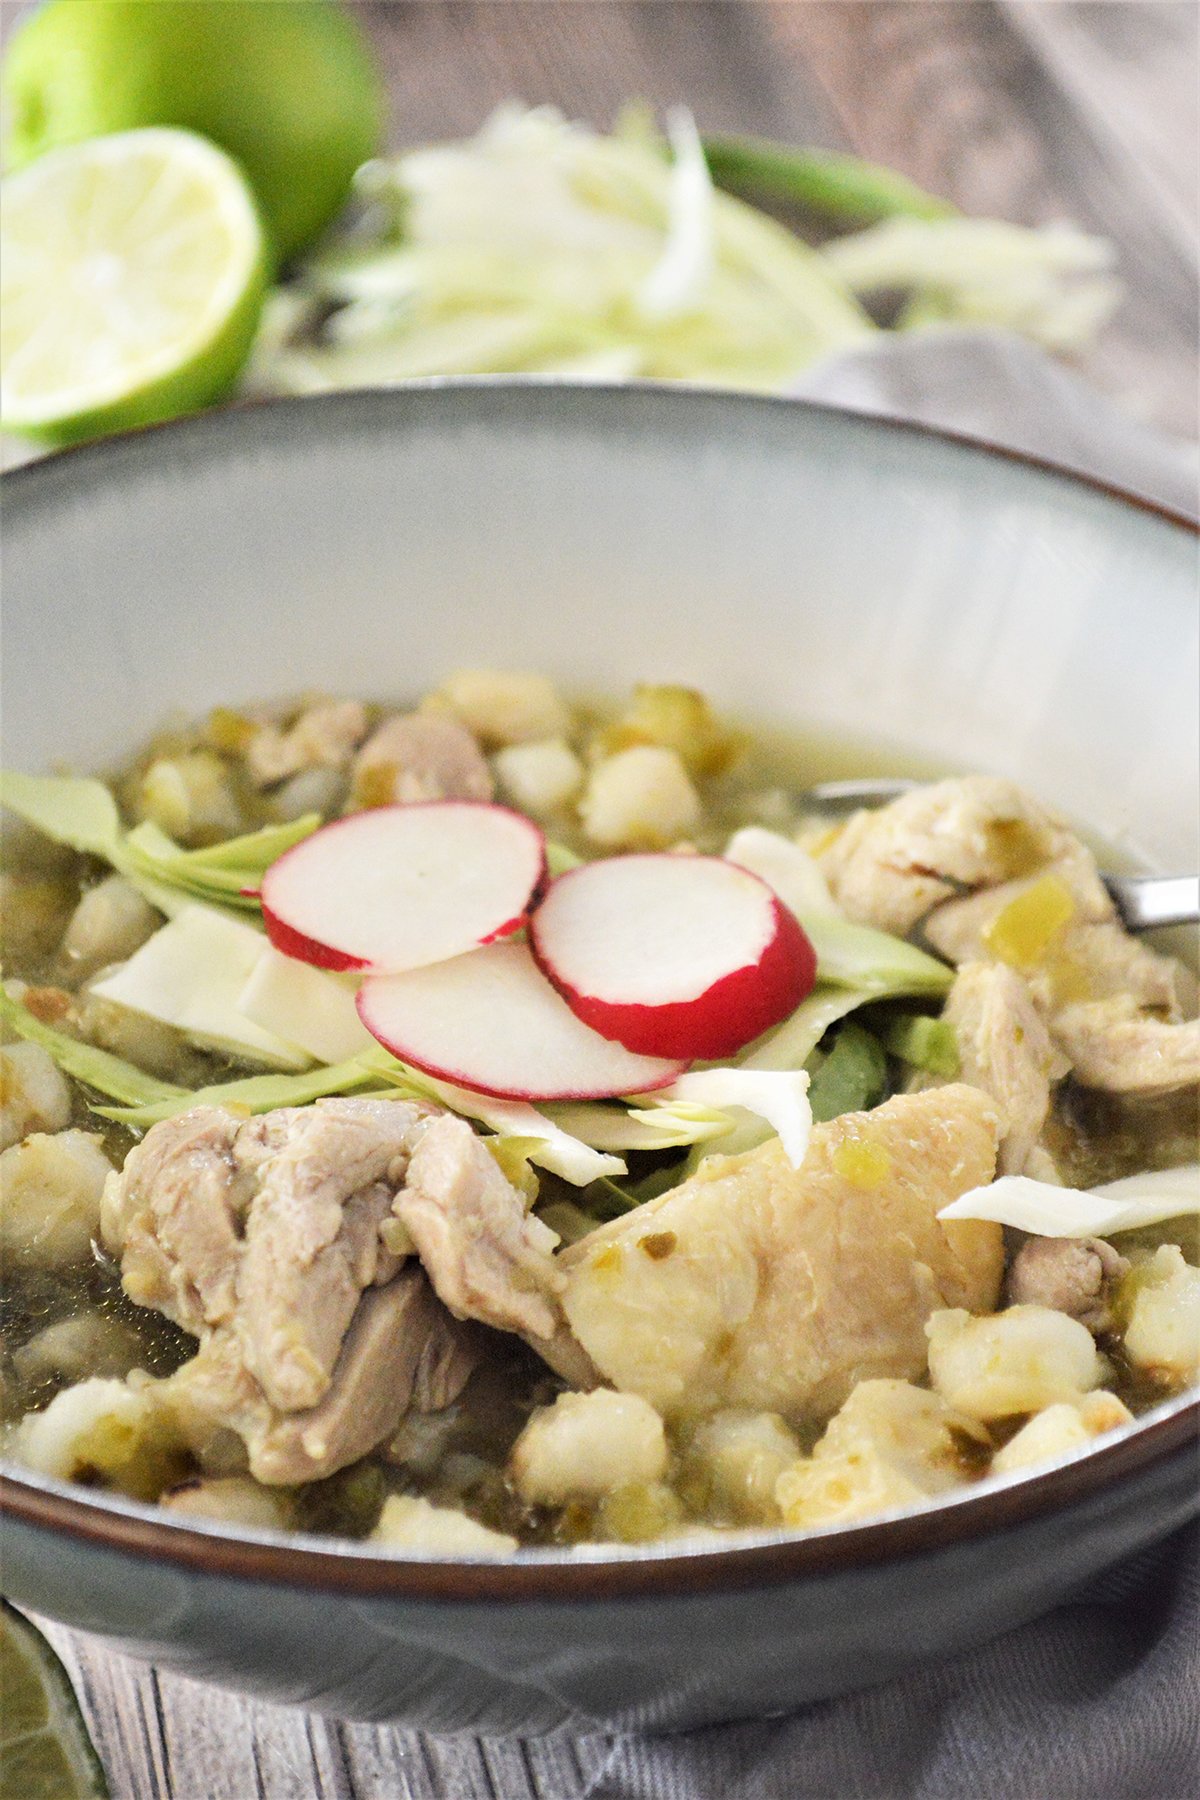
(801, 566)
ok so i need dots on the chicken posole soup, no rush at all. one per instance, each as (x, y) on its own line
(506, 1122)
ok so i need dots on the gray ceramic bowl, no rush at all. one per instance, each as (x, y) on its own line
(887, 585)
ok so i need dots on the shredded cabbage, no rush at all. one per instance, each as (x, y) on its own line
(1046, 1210)
(543, 246)
(258, 1093)
(791, 1044)
(83, 815)
(1053, 284)
(615, 1128)
(79, 813)
(883, 966)
(549, 1145)
(305, 1006)
(224, 874)
(698, 1108)
(780, 1099)
(789, 870)
(191, 974)
(553, 1148)
(679, 277)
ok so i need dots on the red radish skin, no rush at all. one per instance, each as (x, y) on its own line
(399, 887)
(490, 1021)
(305, 949)
(710, 1021)
(725, 1018)
(515, 924)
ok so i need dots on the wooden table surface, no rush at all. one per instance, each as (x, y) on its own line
(1024, 109)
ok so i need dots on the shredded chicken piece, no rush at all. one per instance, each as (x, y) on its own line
(1117, 1009)
(1006, 1051)
(174, 1214)
(323, 737)
(1093, 957)
(891, 866)
(312, 1239)
(486, 1254)
(762, 1286)
(420, 756)
(264, 1237)
(374, 1381)
(1076, 1276)
(1113, 1045)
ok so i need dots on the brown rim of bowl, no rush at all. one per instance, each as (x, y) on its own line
(669, 393)
(327, 1566)
(564, 1576)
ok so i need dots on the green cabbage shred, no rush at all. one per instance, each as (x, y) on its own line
(541, 246)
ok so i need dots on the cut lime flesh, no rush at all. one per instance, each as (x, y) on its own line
(131, 282)
(45, 1751)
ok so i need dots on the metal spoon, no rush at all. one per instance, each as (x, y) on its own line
(1143, 901)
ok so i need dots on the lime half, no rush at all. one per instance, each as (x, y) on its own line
(132, 274)
(45, 1751)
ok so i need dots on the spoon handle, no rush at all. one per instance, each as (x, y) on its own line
(1145, 901)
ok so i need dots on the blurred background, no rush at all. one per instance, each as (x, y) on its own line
(1026, 111)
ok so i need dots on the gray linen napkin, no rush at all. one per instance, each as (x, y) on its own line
(1100, 1700)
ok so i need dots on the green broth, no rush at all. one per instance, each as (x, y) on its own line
(458, 1459)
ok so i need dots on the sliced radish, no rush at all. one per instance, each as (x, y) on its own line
(399, 887)
(684, 956)
(491, 1021)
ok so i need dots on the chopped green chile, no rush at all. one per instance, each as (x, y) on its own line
(851, 1077)
(348, 1503)
(924, 1043)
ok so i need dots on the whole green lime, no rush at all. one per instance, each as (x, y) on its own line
(287, 87)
